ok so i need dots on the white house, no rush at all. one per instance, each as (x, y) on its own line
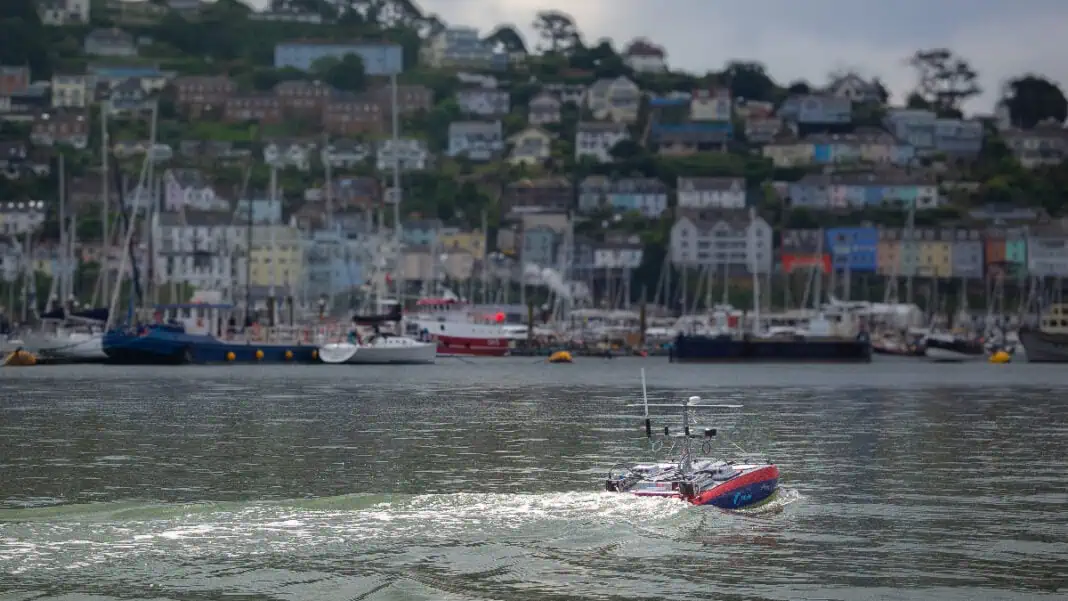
(283, 154)
(596, 139)
(477, 140)
(728, 238)
(345, 154)
(411, 154)
(21, 217)
(617, 256)
(645, 57)
(189, 189)
(57, 13)
(203, 250)
(711, 192)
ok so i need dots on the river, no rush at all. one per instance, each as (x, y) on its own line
(482, 480)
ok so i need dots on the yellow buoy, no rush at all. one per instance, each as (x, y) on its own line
(560, 357)
(259, 354)
(315, 354)
(231, 356)
(20, 358)
(1000, 357)
(289, 355)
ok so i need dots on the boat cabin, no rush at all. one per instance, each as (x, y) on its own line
(195, 318)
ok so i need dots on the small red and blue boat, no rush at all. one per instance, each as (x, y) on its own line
(700, 481)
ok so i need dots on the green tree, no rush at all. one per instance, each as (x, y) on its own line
(749, 80)
(558, 32)
(507, 38)
(946, 81)
(1032, 99)
(346, 74)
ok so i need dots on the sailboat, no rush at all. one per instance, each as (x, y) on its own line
(378, 346)
(367, 343)
(66, 335)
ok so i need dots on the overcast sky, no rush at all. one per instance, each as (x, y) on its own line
(807, 39)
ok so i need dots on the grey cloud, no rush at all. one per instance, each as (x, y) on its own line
(810, 38)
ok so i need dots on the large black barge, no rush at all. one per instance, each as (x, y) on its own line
(695, 348)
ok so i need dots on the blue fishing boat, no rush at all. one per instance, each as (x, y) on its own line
(198, 334)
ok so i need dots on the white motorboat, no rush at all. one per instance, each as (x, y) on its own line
(382, 349)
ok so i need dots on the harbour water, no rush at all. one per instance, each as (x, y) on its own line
(482, 480)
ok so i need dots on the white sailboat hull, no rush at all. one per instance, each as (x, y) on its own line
(337, 352)
(384, 351)
(942, 355)
(74, 347)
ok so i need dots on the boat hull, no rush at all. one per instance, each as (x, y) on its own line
(478, 347)
(945, 355)
(78, 348)
(1043, 347)
(715, 349)
(168, 348)
(750, 488)
(952, 350)
(416, 353)
(750, 485)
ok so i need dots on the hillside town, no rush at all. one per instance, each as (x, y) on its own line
(281, 180)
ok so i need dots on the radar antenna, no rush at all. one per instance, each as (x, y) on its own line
(693, 402)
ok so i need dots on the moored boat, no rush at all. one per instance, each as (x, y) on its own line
(1048, 343)
(382, 349)
(69, 337)
(457, 329)
(197, 335)
(951, 348)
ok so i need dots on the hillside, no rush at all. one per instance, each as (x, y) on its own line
(661, 137)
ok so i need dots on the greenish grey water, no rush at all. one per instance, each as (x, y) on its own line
(482, 480)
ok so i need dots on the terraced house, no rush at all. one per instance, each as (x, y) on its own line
(644, 195)
(866, 145)
(736, 239)
(850, 191)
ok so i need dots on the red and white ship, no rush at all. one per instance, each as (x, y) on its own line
(460, 329)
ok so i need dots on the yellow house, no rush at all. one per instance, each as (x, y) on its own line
(279, 257)
(888, 253)
(70, 91)
(530, 146)
(790, 154)
(875, 146)
(472, 243)
(935, 254)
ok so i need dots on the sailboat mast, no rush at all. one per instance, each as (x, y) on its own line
(105, 188)
(273, 259)
(910, 251)
(756, 276)
(61, 274)
(398, 289)
(248, 254)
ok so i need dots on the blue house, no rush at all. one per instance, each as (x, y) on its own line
(378, 58)
(810, 192)
(855, 248)
(817, 109)
(332, 264)
(264, 210)
(422, 232)
(539, 246)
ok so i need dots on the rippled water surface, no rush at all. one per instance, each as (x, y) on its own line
(481, 480)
